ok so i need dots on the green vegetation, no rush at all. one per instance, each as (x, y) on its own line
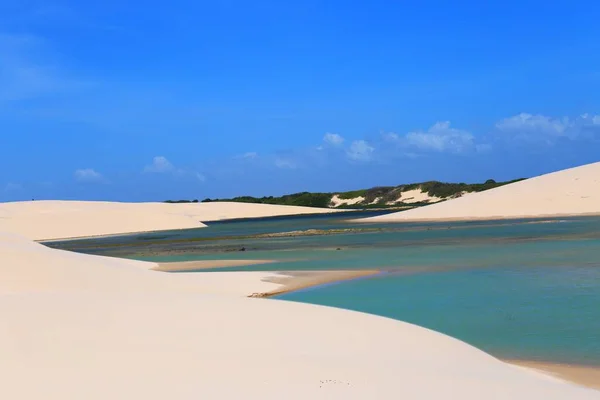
(445, 190)
(352, 194)
(377, 197)
(181, 201)
(305, 199)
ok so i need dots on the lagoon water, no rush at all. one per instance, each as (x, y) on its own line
(516, 289)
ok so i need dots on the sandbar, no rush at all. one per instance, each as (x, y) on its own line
(183, 266)
(297, 280)
(583, 375)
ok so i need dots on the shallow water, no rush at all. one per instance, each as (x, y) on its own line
(517, 289)
(533, 313)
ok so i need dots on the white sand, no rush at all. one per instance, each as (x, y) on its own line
(29, 267)
(570, 192)
(337, 201)
(45, 220)
(417, 196)
(414, 196)
(77, 327)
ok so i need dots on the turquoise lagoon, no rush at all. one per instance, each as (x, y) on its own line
(521, 289)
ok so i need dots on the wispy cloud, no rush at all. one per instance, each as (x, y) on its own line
(540, 128)
(27, 70)
(441, 137)
(12, 187)
(159, 165)
(360, 150)
(285, 163)
(333, 139)
(89, 175)
(200, 177)
(251, 155)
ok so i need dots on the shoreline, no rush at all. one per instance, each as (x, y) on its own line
(583, 375)
(198, 265)
(112, 235)
(373, 220)
(275, 217)
(292, 281)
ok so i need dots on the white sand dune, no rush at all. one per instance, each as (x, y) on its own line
(182, 346)
(87, 327)
(569, 192)
(29, 267)
(337, 201)
(45, 220)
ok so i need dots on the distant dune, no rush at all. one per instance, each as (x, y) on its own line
(570, 192)
(46, 220)
(396, 197)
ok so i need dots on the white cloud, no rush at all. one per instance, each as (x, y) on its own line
(200, 177)
(529, 122)
(88, 175)
(441, 137)
(284, 163)
(360, 150)
(588, 120)
(541, 128)
(251, 155)
(160, 165)
(390, 137)
(333, 139)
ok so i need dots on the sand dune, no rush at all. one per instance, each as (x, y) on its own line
(569, 192)
(92, 346)
(29, 267)
(78, 326)
(45, 220)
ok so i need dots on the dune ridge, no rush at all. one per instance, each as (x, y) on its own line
(58, 219)
(569, 192)
(78, 326)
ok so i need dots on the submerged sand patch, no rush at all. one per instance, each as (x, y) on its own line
(583, 375)
(183, 266)
(296, 280)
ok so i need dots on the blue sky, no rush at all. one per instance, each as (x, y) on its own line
(130, 101)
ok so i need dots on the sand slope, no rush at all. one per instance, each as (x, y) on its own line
(89, 346)
(45, 220)
(77, 327)
(574, 191)
(30, 267)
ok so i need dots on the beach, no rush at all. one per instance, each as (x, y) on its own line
(83, 326)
